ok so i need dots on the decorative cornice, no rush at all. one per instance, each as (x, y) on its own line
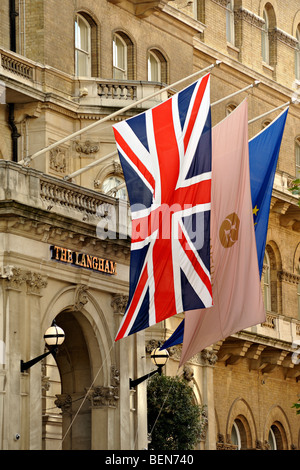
(289, 277)
(285, 38)
(249, 17)
(222, 3)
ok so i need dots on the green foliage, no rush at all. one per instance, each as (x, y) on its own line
(297, 406)
(174, 419)
(295, 189)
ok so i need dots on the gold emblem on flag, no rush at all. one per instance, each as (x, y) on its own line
(229, 230)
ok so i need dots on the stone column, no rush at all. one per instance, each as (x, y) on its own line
(208, 359)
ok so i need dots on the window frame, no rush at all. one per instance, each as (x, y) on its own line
(297, 157)
(265, 43)
(152, 54)
(117, 69)
(230, 30)
(79, 50)
(297, 54)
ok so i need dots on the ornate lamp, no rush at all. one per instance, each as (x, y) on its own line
(54, 337)
(159, 358)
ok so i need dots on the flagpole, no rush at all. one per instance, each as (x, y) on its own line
(97, 162)
(116, 113)
(269, 112)
(91, 165)
(122, 185)
(256, 83)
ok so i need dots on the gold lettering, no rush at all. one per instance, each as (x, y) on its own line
(113, 266)
(70, 257)
(66, 255)
(89, 261)
(95, 262)
(63, 256)
(56, 249)
(77, 258)
(101, 263)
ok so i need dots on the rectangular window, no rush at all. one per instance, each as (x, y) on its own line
(230, 22)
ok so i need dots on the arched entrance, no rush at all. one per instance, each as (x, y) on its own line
(67, 410)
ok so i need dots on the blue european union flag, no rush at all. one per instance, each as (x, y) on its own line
(263, 156)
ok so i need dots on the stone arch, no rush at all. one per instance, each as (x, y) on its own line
(65, 301)
(296, 260)
(240, 410)
(295, 23)
(86, 369)
(271, 7)
(277, 418)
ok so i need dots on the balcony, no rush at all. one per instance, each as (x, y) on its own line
(26, 80)
(37, 205)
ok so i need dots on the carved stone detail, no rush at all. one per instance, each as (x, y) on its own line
(119, 302)
(86, 147)
(80, 297)
(58, 160)
(208, 358)
(151, 345)
(34, 281)
(64, 402)
(203, 422)
(101, 396)
(188, 373)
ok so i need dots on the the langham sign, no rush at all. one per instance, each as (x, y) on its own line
(83, 260)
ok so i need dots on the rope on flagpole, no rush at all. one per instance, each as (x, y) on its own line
(116, 113)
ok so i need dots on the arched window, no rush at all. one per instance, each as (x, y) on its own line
(240, 433)
(154, 67)
(112, 182)
(297, 54)
(272, 440)
(277, 437)
(235, 436)
(230, 22)
(297, 156)
(265, 46)
(298, 293)
(230, 108)
(267, 282)
(82, 47)
(157, 67)
(119, 57)
(123, 57)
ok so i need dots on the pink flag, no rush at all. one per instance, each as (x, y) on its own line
(236, 286)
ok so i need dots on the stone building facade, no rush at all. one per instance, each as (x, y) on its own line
(66, 72)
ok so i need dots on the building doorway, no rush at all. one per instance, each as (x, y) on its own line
(66, 379)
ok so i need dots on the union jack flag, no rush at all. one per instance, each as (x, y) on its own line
(165, 154)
